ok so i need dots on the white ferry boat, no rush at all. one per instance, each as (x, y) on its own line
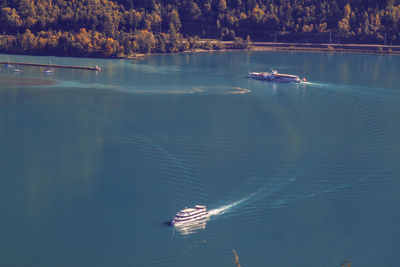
(188, 215)
(274, 76)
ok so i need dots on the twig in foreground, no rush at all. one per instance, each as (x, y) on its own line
(236, 258)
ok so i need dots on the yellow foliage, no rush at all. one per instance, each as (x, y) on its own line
(231, 19)
(347, 11)
(156, 18)
(42, 42)
(90, 48)
(222, 5)
(257, 14)
(307, 28)
(322, 27)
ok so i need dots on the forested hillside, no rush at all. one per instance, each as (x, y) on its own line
(117, 28)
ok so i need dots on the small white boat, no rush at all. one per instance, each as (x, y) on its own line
(17, 69)
(190, 215)
(48, 71)
(275, 76)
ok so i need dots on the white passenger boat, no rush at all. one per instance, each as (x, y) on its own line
(189, 215)
(275, 76)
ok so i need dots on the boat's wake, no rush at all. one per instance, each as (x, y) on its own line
(225, 208)
(314, 84)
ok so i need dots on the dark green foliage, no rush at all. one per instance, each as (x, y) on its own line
(123, 27)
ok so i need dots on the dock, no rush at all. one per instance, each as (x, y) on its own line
(95, 68)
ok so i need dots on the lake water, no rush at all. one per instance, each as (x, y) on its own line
(92, 165)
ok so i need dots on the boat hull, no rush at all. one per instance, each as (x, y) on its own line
(274, 77)
(190, 220)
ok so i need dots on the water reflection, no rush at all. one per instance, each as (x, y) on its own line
(191, 228)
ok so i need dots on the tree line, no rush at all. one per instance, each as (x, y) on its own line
(109, 28)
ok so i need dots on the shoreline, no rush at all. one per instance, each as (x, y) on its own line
(253, 46)
(290, 47)
(324, 47)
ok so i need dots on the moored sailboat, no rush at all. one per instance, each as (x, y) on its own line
(17, 70)
(49, 70)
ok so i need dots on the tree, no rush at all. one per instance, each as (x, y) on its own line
(110, 47)
(343, 25)
(9, 20)
(222, 5)
(29, 41)
(145, 40)
(173, 18)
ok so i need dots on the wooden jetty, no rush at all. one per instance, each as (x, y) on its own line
(96, 68)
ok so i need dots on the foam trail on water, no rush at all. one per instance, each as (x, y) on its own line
(266, 190)
(225, 208)
(315, 84)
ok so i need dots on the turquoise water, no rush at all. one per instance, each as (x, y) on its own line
(92, 166)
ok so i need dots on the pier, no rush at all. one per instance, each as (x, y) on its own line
(95, 68)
